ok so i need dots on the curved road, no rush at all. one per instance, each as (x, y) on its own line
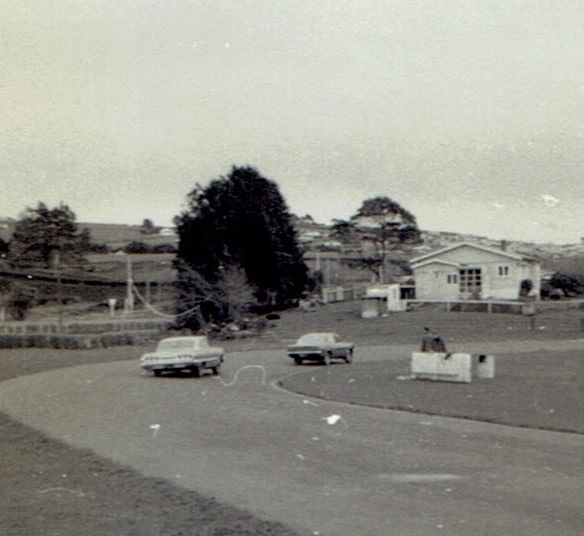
(323, 468)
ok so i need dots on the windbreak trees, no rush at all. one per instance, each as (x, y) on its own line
(47, 236)
(241, 224)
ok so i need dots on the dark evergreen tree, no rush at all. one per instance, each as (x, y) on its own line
(4, 248)
(46, 237)
(242, 221)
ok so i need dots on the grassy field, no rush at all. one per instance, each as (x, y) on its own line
(552, 322)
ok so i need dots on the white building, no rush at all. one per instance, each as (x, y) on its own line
(471, 272)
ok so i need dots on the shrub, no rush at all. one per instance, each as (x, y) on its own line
(570, 283)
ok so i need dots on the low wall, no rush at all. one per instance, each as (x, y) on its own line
(479, 306)
(458, 367)
(80, 334)
(81, 326)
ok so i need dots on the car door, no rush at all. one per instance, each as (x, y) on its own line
(337, 350)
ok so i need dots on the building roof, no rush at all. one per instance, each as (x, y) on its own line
(437, 261)
(424, 259)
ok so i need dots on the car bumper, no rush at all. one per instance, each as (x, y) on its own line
(178, 365)
(306, 355)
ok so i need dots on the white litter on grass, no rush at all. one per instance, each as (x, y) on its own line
(310, 403)
(403, 378)
(300, 457)
(426, 423)
(155, 428)
(334, 419)
(351, 380)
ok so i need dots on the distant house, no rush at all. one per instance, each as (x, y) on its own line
(468, 271)
(167, 231)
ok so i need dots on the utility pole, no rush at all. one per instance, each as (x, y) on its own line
(60, 298)
(57, 260)
(129, 305)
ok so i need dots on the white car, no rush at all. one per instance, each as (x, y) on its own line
(322, 347)
(191, 353)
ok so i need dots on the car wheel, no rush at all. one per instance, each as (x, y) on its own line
(349, 356)
(215, 371)
(326, 360)
(196, 372)
(157, 372)
(298, 360)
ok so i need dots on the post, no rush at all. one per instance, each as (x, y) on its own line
(60, 297)
(57, 258)
(129, 305)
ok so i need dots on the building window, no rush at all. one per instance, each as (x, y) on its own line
(452, 279)
(470, 281)
(503, 271)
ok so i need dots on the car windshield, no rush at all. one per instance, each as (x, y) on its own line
(315, 338)
(179, 344)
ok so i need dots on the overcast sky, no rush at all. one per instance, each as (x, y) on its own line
(469, 113)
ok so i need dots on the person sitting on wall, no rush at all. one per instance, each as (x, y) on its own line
(432, 342)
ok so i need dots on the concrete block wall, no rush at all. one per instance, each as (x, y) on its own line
(458, 367)
(442, 367)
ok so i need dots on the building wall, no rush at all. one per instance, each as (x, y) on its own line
(432, 282)
(501, 277)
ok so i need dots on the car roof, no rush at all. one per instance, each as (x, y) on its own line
(184, 338)
(319, 333)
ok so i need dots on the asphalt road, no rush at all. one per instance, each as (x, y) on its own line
(323, 468)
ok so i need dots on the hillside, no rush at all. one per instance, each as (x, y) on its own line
(116, 236)
(316, 236)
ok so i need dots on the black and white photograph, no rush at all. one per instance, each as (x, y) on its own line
(292, 268)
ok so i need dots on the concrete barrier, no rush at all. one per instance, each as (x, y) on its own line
(485, 366)
(442, 367)
(459, 367)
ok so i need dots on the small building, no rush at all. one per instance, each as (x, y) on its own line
(468, 271)
(380, 300)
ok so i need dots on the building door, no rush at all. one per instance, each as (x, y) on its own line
(471, 283)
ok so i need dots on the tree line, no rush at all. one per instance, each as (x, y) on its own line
(237, 246)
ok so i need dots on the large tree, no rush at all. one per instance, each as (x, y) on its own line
(378, 226)
(240, 222)
(47, 236)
